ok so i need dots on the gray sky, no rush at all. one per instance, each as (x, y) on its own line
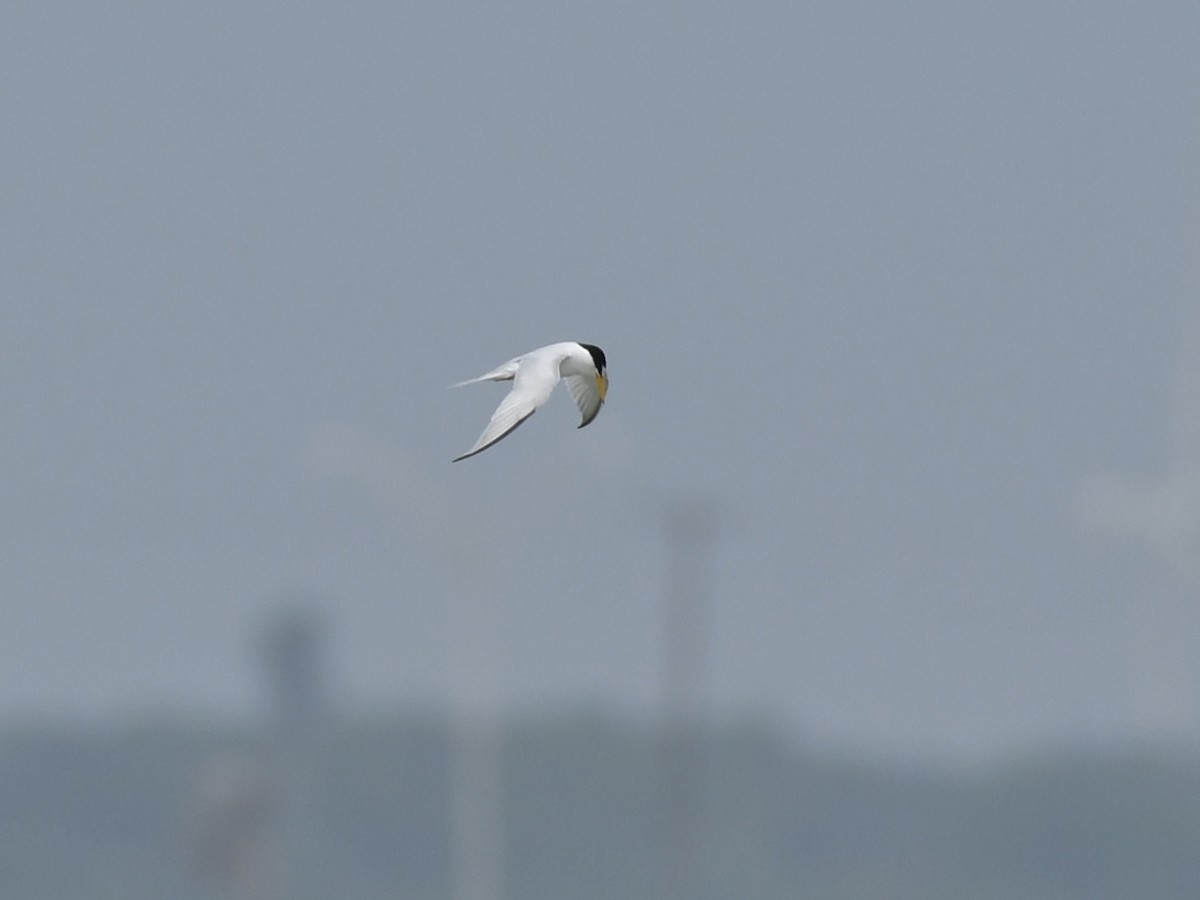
(909, 291)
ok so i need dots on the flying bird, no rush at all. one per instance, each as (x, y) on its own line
(534, 375)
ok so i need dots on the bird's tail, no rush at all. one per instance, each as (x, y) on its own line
(471, 381)
(506, 372)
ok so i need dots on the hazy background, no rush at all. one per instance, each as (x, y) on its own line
(908, 292)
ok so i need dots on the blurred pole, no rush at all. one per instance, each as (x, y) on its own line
(687, 616)
(291, 653)
(476, 782)
(477, 810)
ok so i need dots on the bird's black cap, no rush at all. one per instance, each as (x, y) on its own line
(597, 356)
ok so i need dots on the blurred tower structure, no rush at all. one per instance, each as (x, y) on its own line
(291, 651)
(476, 778)
(291, 654)
(251, 823)
(687, 626)
(477, 809)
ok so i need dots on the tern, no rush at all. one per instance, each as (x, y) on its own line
(534, 375)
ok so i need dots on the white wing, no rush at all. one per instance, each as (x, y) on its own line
(586, 396)
(535, 378)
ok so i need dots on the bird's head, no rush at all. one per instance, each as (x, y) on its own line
(601, 364)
